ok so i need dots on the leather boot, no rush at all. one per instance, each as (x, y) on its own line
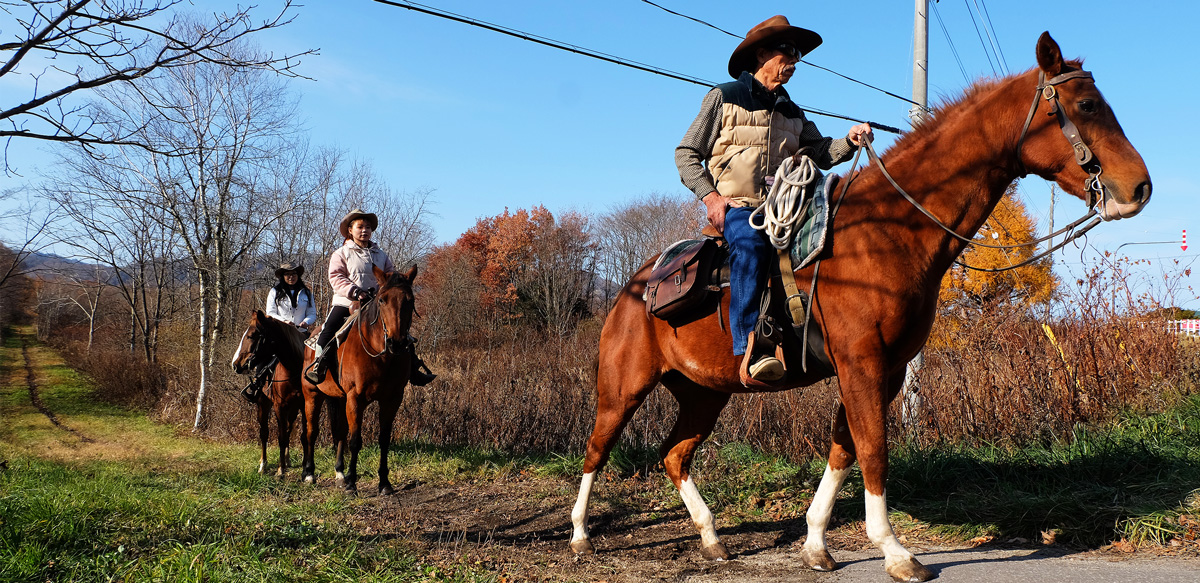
(316, 371)
(420, 375)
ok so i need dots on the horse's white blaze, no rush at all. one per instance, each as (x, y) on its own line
(579, 514)
(701, 515)
(236, 355)
(821, 508)
(879, 530)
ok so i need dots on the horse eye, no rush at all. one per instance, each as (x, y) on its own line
(1087, 106)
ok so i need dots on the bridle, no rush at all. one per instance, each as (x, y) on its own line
(1096, 192)
(1094, 187)
(390, 345)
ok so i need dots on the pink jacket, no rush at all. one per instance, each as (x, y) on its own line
(350, 265)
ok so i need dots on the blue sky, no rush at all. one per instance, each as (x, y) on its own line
(489, 121)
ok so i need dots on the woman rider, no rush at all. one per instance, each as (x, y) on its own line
(352, 280)
(291, 300)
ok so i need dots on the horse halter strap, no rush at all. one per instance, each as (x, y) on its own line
(1083, 154)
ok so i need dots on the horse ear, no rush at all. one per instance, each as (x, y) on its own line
(259, 315)
(380, 275)
(412, 273)
(1049, 57)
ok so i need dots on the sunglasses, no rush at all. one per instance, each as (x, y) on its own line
(788, 50)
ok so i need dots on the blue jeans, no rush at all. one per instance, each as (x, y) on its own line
(749, 251)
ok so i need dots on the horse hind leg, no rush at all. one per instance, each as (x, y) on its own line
(699, 409)
(620, 391)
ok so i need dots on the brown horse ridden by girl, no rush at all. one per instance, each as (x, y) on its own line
(373, 364)
(877, 289)
(265, 340)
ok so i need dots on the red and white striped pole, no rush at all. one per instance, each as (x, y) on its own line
(1184, 240)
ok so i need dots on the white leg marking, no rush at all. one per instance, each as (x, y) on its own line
(701, 515)
(262, 465)
(821, 508)
(879, 530)
(340, 476)
(579, 514)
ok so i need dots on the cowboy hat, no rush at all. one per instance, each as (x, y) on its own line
(288, 267)
(354, 215)
(775, 28)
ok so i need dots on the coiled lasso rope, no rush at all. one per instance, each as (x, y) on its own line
(786, 201)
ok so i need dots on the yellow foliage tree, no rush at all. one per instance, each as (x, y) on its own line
(972, 291)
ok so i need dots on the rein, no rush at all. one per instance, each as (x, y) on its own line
(1083, 156)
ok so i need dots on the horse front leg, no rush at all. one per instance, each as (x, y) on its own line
(285, 415)
(337, 436)
(699, 408)
(387, 419)
(865, 398)
(815, 553)
(264, 432)
(354, 433)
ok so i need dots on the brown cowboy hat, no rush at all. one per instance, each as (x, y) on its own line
(288, 267)
(774, 29)
(354, 215)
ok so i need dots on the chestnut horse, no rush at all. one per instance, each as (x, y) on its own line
(876, 292)
(264, 339)
(373, 364)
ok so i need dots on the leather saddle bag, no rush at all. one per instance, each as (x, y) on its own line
(680, 280)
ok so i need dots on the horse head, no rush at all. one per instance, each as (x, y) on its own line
(395, 304)
(1100, 166)
(254, 350)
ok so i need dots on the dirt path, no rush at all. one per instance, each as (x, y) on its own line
(521, 527)
(32, 385)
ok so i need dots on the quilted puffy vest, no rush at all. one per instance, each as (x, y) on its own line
(754, 139)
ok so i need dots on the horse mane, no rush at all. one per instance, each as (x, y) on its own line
(290, 334)
(955, 109)
(395, 278)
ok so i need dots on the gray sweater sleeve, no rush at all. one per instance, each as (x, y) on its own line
(697, 145)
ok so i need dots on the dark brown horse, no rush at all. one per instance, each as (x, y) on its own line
(373, 364)
(876, 293)
(268, 340)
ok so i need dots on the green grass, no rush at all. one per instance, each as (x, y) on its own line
(142, 502)
(1135, 478)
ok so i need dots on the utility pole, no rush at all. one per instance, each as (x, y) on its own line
(910, 403)
(920, 86)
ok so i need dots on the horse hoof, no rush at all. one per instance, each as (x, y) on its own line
(715, 552)
(818, 560)
(351, 488)
(582, 547)
(310, 479)
(386, 490)
(909, 571)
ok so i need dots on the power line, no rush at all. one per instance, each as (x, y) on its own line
(738, 36)
(424, 9)
(949, 41)
(714, 27)
(996, 38)
(986, 53)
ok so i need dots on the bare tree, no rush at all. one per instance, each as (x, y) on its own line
(29, 222)
(67, 48)
(632, 232)
(237, 167)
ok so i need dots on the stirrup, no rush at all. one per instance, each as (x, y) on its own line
(251, 393)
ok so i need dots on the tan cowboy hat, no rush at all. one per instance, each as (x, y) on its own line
(287, 268)
(354, 215)
(776, 29)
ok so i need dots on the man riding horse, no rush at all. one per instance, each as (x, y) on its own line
(729, 155)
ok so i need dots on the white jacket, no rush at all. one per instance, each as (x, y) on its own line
(305, 312)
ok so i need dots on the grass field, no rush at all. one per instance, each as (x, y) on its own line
(108, 495)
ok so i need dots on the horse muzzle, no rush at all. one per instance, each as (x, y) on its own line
(1111, 208)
